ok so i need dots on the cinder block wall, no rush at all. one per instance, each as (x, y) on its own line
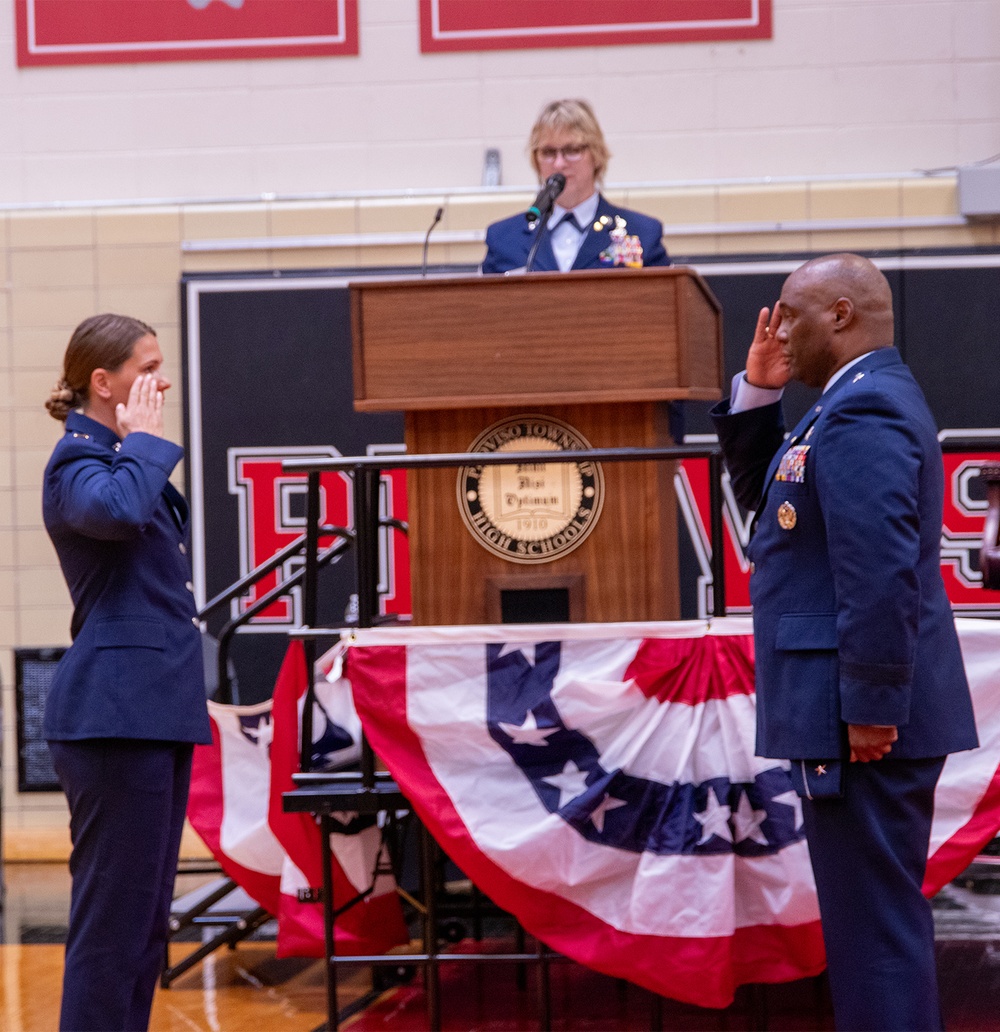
(61, 265)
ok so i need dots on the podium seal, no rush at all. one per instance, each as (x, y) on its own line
(530, 512)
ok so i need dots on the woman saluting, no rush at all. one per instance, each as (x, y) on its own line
(127, 702)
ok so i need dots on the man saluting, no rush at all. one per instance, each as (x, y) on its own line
(860, 682)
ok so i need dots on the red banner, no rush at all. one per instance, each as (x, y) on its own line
(961, 533)
(53, 32)
(507, 24)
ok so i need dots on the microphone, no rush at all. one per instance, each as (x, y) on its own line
(427, 239)
(550, 190)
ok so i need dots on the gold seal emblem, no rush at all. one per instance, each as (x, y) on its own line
(530, 512)
(787, 515)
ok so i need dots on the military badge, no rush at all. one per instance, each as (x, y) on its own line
(792, 468)
(624, 249)
(787, 516)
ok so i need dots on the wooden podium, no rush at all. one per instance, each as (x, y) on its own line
(539, 362)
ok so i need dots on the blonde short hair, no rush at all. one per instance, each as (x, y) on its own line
(573, 116)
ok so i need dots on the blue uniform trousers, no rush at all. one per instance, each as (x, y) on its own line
(127, 801)
(869, 854)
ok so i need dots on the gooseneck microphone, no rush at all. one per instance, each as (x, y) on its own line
(538, 214)
(427, 239)
(551, 189)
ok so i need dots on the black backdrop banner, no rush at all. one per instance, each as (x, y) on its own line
(268, 376)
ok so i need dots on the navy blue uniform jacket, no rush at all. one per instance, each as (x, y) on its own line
(509, 241)
(851, 620)
(119, 527)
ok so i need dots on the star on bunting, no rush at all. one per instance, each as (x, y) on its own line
(747, 822)
(509, 648)
(571, 783)
(261, 735)
(528, 733)
(604, 806)
(714, 819)
(790, 798)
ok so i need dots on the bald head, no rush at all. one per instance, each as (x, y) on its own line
(833, 309)
(854, 279)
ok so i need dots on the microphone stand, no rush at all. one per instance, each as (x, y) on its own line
(544, 203)
(543, 228)
(427, 239)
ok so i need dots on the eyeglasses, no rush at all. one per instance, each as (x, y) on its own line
(572, 153)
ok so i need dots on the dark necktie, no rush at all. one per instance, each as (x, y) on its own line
(570, 219)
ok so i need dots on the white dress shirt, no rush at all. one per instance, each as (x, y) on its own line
(566, 239)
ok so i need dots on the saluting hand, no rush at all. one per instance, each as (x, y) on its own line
(144, 410)
(767, 365)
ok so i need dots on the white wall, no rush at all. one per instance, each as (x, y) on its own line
(845, 86)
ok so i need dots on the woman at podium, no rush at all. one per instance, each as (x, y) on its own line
(584, 230)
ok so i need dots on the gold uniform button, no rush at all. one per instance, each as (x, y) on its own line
(753, 567)
(189, 586)
(184, 550)
(195, 621)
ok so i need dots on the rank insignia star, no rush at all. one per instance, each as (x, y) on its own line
(820, 770)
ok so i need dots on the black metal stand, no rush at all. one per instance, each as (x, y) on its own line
(324, 795)
(237, 924)
(543, 228)
(371, 792)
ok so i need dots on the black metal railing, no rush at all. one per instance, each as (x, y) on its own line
(371, 790)
(367, 472)
(224, 692)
